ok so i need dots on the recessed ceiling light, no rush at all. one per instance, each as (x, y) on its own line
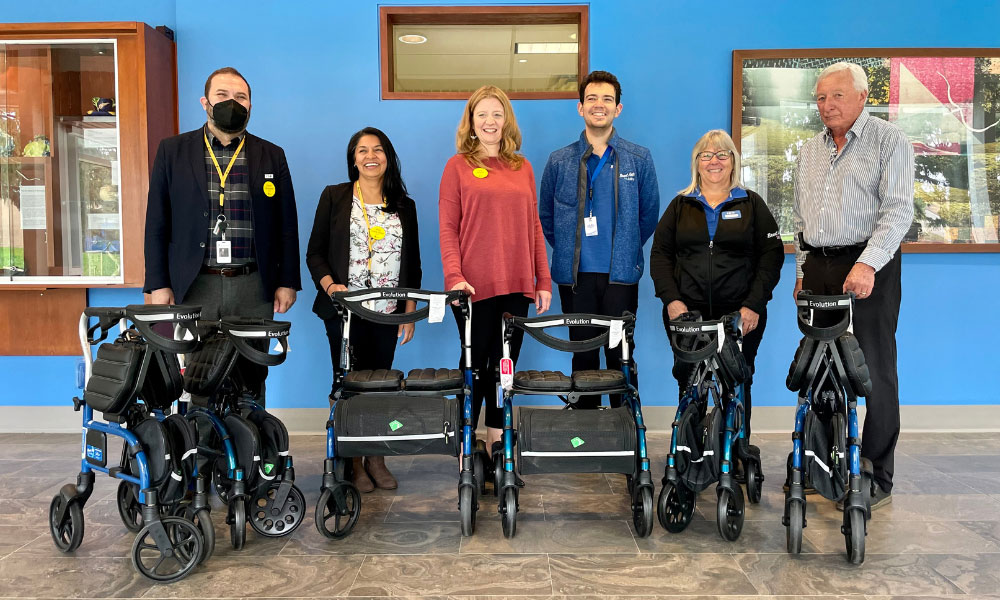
(412, 38)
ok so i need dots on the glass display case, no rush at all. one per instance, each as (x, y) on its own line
(83, 107)
(78, 131)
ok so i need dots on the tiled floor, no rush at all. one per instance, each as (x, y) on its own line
(940, 538)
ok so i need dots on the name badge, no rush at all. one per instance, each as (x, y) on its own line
(224, 252)
(730, 214)
(268, 175)
(590, 226)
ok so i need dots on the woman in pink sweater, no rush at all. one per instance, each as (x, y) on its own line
(491, 239)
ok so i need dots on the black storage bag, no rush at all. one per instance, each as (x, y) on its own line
(568, 441)
(246, 443)
(113, 376)
(273, 443)
(825, 455)
(163, 383)
(698, 445)
(157, 448)
(392, 425)
(205, 368)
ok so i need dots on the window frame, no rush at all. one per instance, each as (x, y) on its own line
(480, 15)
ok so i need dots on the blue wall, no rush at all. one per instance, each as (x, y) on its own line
(314, 68)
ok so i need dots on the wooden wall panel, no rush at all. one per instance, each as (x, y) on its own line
(41, 322)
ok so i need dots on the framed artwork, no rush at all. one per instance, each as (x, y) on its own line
(946, 100)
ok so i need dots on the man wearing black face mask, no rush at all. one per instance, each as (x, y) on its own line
(221, 226)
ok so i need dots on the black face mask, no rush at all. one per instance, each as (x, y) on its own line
(230, 116)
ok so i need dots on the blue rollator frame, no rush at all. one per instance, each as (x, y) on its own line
(263, 495)
(375, 394)
(829, 374)
(547, 450)
(708, 435)
(166, 548)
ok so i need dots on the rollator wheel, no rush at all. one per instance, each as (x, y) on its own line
(467, 508)
(793, 532)
(68, 532)
(275, 521)
(854, 535)
(128, 506)
(755, 481)
(220, 479)
(203, 520)
(675, 507)
(170, 564)
(479, 471)
(729, 513)
(237, 523)
(642, 512)
(336, 518)
(509, 510)
(497, 472)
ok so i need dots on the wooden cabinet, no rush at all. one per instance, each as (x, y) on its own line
(83, 107)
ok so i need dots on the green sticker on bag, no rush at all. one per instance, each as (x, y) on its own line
(268, 467)
(577, 442)
(395, 425)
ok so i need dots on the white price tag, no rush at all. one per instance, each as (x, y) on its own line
(437, 303)
(590, 226)
(615, 334)
(506, 376)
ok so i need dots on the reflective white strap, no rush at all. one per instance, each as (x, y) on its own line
(570, 454)
(264, 475)
(386, 438)
(285, 453)
(189, 453)
(819, 462)
(176, 475)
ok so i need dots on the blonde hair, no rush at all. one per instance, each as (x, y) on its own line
(510, 140)
(719, 139)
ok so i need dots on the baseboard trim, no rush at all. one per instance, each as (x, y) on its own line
(766, 419)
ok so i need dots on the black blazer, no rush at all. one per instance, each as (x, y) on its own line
(177, 215)
(329, 250)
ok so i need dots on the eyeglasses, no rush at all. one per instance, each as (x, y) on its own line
(707, 156)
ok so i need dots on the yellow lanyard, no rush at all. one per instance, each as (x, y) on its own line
(368, 226)
(218, 169)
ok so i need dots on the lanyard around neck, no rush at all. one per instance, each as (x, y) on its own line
(218, 169)
(368, 226)
(593, 178)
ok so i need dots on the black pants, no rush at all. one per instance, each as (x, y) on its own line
(751, 343)
(875, 320)
(487, 350)
(373, 345)
(594, 295)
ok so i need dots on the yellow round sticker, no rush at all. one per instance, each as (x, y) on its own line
(480, 172)
(377, 232)
(269, 189)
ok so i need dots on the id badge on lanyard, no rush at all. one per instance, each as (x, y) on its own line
(590, 221)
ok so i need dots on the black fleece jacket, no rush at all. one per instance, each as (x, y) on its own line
(739, 267)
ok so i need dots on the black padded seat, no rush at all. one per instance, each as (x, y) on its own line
(594, 380)
(375, 380)
(421, 380)
(549, 381)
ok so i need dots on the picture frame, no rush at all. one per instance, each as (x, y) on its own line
(946, 100)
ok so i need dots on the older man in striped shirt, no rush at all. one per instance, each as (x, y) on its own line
(853, 205)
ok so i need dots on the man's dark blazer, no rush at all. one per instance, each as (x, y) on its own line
(177, 215)
(329, 250)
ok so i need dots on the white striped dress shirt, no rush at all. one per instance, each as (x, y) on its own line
(863, 193)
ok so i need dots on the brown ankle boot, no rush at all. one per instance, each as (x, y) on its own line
(379, 473)
(360, 477)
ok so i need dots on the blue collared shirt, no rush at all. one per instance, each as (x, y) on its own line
(712, 214)
(595, 251)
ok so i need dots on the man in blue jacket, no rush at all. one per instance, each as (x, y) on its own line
(599, 204)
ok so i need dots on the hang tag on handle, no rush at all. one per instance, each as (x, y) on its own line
(437, 303)
(615, 334)
(506, 376)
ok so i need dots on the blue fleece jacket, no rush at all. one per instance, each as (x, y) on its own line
(561, 206)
